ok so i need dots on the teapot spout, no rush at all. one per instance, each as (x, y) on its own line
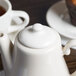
(6, 47)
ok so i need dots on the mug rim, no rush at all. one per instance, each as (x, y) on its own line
(9, 8)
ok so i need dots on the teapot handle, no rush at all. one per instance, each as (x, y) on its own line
(66, 49)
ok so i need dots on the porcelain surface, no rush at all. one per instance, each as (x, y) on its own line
(39, 36)
(60, 20)
(64, 40)
(36, 58)
(15, 21)
(5, 19)
(3, 74)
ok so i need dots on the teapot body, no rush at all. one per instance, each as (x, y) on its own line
(38, 62)
(36, 51)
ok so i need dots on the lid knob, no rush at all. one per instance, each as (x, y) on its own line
(39, 36)
(37, 27)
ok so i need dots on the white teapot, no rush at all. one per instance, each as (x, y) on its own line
(37, 52)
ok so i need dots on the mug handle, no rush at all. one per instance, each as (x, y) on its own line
(18, 27)
(66, 49)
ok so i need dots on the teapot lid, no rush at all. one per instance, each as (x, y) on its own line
(38, 36)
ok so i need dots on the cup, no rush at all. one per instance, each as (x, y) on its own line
(71, 5)
(7, 17)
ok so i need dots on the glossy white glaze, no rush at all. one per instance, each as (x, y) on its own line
(39, 36)
(30, 61)
(2, 73)
(6, 19)
(58, 18)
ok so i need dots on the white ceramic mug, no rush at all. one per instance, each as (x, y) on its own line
(5, 19)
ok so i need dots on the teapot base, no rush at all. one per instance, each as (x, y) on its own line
(2, 73)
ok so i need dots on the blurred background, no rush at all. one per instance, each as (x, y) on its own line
(36, 8)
